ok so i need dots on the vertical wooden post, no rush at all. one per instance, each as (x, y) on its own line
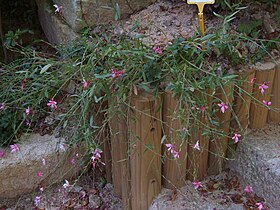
(119, 144)
(174, 170)
(107, 154)
(145, 135)
(218, 147)
(198, 159)
(274, 116)
(103, 136)
(258, 112)
(242, 101)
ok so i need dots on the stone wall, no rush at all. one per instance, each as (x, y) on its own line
(19, 171)
(77, 14)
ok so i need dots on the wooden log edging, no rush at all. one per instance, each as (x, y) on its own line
(145, 149)
(174, 170)
(197, 163)
(120, 158)
(258, 112)
(274, 115)
(136, 136)
(242, 101)
(218, 147)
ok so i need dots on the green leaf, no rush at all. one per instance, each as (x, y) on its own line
(117, 12)
(102, 76)
(91, 121)
(65, 123)
(45, 68)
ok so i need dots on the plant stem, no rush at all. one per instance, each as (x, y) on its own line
(2, 39)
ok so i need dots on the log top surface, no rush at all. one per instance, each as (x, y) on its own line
(265, 66)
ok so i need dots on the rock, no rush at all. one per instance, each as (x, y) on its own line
(94, 201)
(18, 171)
(257, 162)
(55, 29)
(76, 189)
(83, 13)
(269, 25)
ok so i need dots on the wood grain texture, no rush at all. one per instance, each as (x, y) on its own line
(197, 163)
(119, 144)
(242, 101)
(174, 170)
(145, 150)
(274, 115)
(258, 112)
(218, 146)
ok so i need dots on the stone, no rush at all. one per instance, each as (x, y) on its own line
(257, 162)
(54, 27)
(72, 13)
(18, 171)
(98, 12)
(82, 13)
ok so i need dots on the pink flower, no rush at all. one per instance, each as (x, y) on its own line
(253, 80)
(77, 155)
(38, 200)
(170, 147)
(116, 73)
(175, 154)
(2, 153)
(43, 161)
(52, 103)
(28, 111)
(223, 107)
(260, 206)
(27, 122)
(14, 148)
(267, 103)
(62, 147)
(66, 184)
(85, 84)
(96, 157)
(236, 137)
(196, 146)
(197, 47)
(202, 109)
(263, 87)
(172, 150)
(40, 174)
(41, 189)
(157, 50)
(197, 185)
(57, 8)
(184, 129)
(73, 161)
(2, 106)
(248, 189)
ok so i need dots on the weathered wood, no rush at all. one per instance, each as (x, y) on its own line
(145, 147)
(174, 170)
(120, 159)
(103, 139)
(242, 100)
(274, 115)
(258, 112)
(218, 147)
(107, 154)
(118, 133)
(198, 159)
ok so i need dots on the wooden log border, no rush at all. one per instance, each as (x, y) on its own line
(139, 171)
